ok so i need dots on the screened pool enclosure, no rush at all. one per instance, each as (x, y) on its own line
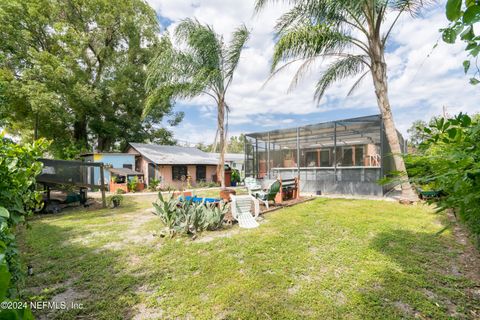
(342, 157)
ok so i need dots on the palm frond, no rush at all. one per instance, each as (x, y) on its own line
(411, 6)
(309, 41)
(338, 70)
(357, 83)
(234, 49)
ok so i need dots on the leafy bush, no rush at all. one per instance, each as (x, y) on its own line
(120, 191)
(235, 176)
(18, 199)
(153, 184)
(205, 184)
(115, 200)
(449, 161)
(132, 184)
(188, 217)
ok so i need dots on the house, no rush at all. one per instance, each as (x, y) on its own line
(234, 160)
(346, 156)
(119, 161)
(173, 164)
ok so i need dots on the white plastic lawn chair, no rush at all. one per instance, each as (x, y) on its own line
(242, 210)
(252, 185)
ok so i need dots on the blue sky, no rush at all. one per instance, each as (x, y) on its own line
(422, 79)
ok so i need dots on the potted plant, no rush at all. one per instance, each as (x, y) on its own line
(235, 178)
(115, 200)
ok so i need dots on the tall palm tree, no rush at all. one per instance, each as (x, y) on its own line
(200, 64)
(352, 33)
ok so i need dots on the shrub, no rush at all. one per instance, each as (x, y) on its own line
(205, 184)
(115, 200)
(18, 200)
(132, 184)
(187, 217)
(153, 184)
(120, 191)
(449, 161)
(235, 176)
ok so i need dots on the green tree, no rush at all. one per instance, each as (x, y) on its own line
(416, 133)
(236, 144)
(353, 34)
(449, 162)
(463, 15)
(202, 64)
(74, 72)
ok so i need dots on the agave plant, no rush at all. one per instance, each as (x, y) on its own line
(215, 215)
(167, 210)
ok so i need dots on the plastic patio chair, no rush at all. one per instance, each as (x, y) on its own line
(252, 185)
(242, 210)
(269, 194)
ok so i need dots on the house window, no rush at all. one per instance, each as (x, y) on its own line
(311, 158)
(127, 166)
(201, 173)
(325, 158)
(179, 172)
(347, 157)
(359, 150)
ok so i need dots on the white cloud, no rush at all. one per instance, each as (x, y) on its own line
(422, 79)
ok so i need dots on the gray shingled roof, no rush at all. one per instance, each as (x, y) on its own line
(160, 154)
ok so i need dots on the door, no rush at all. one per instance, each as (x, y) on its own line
(201, 173)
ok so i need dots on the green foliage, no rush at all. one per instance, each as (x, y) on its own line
(116, 198)
(154, 183)
(235, 176)
(187, 217)
(450, 162)
(207, 184)
(18, 199)
(236, 144)
(463, 16)
(416, 133)
(132, 184)
(74, 73)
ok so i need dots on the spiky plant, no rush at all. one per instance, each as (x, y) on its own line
(354, 34)
(199, 63)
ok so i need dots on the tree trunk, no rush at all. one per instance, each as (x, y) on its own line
(80, 131)
(379, 75)
(221, 133)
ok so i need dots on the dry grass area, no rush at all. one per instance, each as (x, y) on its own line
(323, 259)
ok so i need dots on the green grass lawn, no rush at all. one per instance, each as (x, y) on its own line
(324, 259)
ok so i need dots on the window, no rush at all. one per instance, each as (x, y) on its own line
(347, 156)
(179, 172)
(325, 158)
(127, 166)
(311, 158)
(201, 173)
(359, 156)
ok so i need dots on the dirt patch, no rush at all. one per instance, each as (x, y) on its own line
(469, 259)
(217, 235)
(405, 308)
(143, 312)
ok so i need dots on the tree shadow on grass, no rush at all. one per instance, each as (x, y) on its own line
(423, 279)
(100, 279)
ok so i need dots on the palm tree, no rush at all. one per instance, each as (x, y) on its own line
(200, 64)
(350, 33)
